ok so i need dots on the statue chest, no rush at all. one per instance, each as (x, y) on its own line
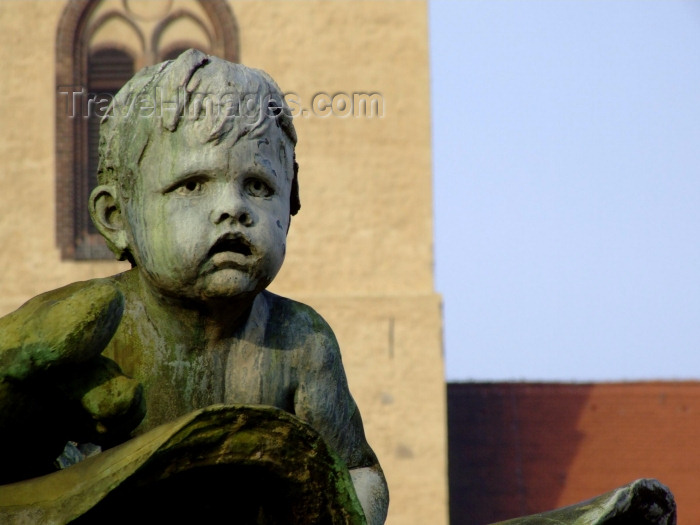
(178, 380)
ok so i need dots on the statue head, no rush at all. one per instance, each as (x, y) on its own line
(197, 177)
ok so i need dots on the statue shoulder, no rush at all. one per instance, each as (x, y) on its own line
(297, 324)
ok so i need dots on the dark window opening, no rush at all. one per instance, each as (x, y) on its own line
(108, 70)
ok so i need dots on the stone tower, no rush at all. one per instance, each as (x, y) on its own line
(360, 250)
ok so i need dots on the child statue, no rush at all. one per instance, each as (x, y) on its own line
(197, 186)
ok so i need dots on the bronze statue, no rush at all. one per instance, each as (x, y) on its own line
(197, 187)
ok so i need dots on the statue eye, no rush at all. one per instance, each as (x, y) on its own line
(189, 187)
(258, 188)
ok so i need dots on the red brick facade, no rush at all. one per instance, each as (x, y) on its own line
(521, 448)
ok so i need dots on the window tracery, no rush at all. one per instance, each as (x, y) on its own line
(100, 44)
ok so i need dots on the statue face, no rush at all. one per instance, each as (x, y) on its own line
(210, 221)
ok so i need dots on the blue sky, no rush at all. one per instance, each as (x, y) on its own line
(566, 153)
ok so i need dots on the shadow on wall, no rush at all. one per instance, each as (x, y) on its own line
(511, 446)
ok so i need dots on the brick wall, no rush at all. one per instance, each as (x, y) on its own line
(521, 448)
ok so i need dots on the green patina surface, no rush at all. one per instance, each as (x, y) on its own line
(259, 464)
(642, 502)
(200, 203)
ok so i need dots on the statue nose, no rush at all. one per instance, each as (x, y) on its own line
(231, 206)
(243, 217)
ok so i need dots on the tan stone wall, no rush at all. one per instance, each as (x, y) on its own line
(29, 257)
(392, 354)
(360, 250)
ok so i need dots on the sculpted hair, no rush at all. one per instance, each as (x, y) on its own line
(219, 99)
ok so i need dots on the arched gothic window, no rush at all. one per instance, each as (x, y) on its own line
(100, 44)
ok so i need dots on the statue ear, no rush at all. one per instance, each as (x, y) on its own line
(109, 221)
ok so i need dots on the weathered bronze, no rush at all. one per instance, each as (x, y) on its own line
(642, 502)
(197, 186)
(222, 464)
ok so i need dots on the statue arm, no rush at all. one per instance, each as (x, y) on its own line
(54, 384)
(372, 492)
(324, 401)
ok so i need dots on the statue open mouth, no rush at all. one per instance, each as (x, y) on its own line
(235, 244)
